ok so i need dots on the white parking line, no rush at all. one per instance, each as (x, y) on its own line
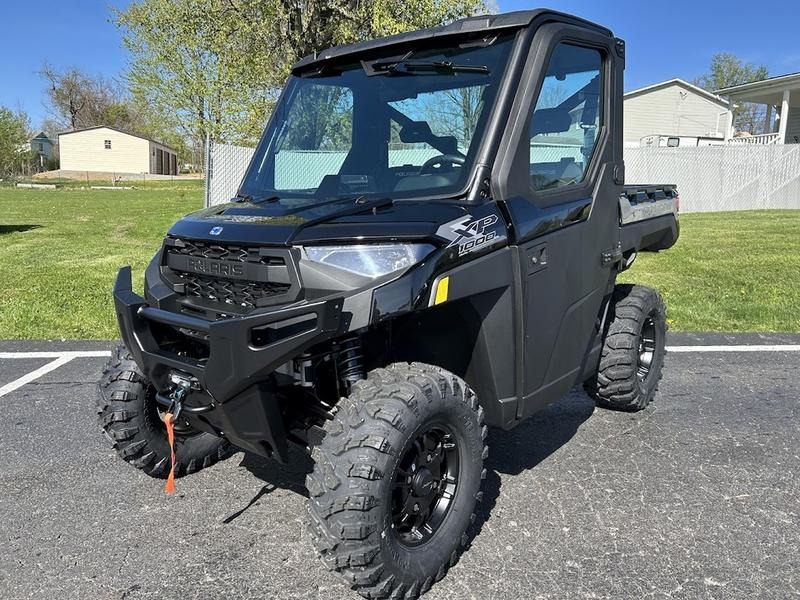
(33, 375)
(756, 348)
(61, 358)
(70, 353)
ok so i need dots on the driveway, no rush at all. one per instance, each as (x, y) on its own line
(696, 497)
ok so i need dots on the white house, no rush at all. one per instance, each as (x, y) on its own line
(43, 145)
(109, 150)
(782, 98)
(44, 149)
(676, 109)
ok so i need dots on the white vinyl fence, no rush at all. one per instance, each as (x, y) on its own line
(709, 178)
(714, 178)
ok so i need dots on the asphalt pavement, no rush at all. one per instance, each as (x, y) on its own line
(696, 497)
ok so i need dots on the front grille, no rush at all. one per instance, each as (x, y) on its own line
(243, 277)
(243, 294)
(229, 253)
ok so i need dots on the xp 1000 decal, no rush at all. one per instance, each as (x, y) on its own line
(469, 233)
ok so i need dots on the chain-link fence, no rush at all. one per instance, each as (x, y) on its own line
(226, 165)
(710, 178)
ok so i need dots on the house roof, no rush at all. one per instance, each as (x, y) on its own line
(684, 84)
(42, 136)
(766, 91)
(118, 131)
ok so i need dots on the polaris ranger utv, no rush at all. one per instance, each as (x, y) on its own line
(426, 242)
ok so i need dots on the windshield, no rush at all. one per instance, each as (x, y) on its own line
(396, 126)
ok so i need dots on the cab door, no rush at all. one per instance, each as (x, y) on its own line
(558, 172)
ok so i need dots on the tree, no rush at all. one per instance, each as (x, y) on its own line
(727, 70)
(217, 65)
(205, 62)
(76, 99)
(51, 127)
(13, 141)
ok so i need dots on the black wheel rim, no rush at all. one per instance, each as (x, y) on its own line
(647, 348)
(424, 486)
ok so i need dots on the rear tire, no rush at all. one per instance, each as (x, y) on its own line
(633, 350)
(129, 416)
(389, 524)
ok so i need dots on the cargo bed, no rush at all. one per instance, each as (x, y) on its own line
(648, 217)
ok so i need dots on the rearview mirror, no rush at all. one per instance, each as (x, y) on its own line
(415, 132)
(550, 120)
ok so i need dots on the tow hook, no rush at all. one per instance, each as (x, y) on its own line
(176, 406)
(182, 386)
(172, 400)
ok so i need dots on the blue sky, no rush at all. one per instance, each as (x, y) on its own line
(665, 39)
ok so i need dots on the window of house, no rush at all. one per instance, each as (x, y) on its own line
(41, 147)
(567, 117)
(107, 144)
(673, 142)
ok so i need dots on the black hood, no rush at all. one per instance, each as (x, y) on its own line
(283, 223)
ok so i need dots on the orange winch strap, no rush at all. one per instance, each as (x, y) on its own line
(170, 487)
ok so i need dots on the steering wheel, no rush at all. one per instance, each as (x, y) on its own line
(440, 163)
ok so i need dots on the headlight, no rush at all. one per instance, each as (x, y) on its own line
(370, 260)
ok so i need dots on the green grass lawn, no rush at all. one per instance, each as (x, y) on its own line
(60, 251)
(734, 271)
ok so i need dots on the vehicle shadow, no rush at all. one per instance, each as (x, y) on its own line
(291, 476)
(527, 445)
(510, 453)
(524, 447)
(6, 229)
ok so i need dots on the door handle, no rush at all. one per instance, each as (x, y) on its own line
(537, 258)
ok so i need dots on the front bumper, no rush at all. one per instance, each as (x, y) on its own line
(233, 399)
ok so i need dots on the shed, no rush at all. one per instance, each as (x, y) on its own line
(110, 150)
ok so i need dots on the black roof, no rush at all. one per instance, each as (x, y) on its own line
(484, 23)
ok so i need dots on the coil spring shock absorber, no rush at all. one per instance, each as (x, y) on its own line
(350, 362)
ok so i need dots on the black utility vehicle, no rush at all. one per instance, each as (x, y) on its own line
(426, 242)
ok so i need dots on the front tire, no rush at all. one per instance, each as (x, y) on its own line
(396, 480)
(633, 350)
(129, 417)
